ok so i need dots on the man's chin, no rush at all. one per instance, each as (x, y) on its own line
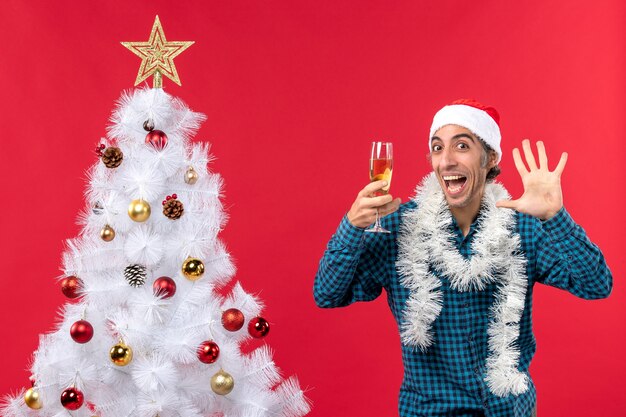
(456, 202)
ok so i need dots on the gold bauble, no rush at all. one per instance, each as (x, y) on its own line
(107, 233)
(191, 176)
(193, 269)
(32, 399)
(121, 354)
(139, 210)
(222, 383)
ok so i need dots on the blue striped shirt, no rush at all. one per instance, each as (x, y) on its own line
(448, 379)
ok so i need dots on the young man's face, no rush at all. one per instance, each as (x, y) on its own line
(456, 155)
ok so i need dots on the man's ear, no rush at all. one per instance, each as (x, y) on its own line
(493, 159)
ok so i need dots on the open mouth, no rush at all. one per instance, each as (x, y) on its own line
(454, 183)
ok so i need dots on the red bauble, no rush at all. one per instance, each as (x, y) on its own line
(157, 138)
(81, 331)
(232, 319)
(208, 352)
(258, 327)
(71, 286)
(72, 398)
(164, 287)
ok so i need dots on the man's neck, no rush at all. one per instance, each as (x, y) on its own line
(464, 216)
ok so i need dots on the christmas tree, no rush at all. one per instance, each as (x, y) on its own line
(147, 331)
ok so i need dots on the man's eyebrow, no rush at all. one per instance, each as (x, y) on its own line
(455, 137)
(462, 135)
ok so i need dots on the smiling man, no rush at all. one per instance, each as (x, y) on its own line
(459, 268)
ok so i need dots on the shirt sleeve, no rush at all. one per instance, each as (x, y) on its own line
(567, 259)
(351, 268)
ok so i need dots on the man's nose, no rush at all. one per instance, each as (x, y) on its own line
(447, 157)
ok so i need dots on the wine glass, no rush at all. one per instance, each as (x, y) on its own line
(381, 168)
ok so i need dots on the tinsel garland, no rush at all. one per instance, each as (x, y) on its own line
(425, 241)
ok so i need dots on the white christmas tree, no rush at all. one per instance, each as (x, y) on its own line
(147, 332)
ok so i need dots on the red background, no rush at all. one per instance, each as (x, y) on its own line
(294, 92)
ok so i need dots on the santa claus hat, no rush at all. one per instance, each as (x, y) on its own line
(481, 120)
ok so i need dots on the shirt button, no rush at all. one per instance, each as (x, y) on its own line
(471, 338)
(466, 305)
(476, 369)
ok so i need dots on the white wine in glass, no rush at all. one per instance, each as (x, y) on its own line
(381, 168)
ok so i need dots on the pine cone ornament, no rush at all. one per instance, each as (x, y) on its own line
(112, 157)
(135, 275)
(172, 208)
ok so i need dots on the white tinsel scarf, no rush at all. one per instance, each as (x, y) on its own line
(426, 241)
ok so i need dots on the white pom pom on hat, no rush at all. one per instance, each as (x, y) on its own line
(483, 121)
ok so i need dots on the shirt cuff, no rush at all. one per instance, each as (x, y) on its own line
(559, 226)
(349, 235)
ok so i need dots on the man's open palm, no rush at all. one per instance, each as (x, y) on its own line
(542, 188)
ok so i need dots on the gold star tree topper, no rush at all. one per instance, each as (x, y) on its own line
(157, 55)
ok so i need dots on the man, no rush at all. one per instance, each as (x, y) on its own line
(459, 267)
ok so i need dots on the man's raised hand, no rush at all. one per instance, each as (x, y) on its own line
(363, 211)
(542, 196)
